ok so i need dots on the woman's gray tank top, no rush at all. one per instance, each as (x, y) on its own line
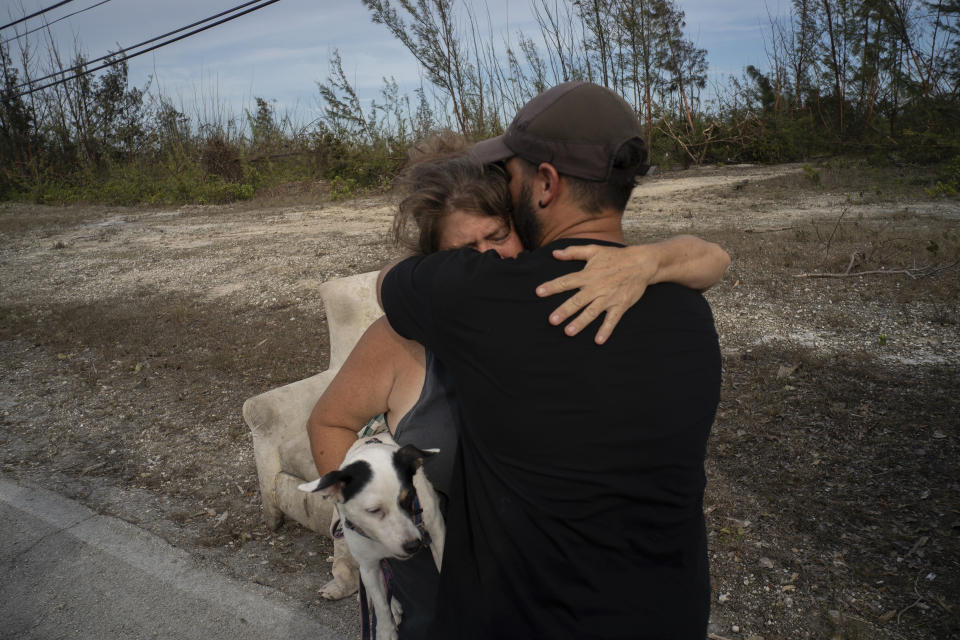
(433, 422)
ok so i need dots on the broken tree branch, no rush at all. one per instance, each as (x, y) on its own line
(853, 259)
(768, 230)
(918, 272)
(843, 212)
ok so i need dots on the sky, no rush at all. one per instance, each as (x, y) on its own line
(281, 51)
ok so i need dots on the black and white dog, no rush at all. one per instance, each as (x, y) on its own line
(377, 489)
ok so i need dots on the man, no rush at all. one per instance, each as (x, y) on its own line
(577, 507)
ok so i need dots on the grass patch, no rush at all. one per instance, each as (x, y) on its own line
(860, 180)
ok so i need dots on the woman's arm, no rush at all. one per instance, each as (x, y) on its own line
(615, 278)
(360, 391)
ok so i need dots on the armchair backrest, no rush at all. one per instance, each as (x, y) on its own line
(351, 306)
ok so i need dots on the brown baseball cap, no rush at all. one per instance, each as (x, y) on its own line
(578, 127)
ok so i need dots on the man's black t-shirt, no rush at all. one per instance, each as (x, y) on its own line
(576, 509)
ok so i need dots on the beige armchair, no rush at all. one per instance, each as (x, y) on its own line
(278, 418)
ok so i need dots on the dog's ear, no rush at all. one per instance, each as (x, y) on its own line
(409, 458)
(329, 485)
(341, 484)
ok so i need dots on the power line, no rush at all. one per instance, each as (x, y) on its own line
(35, 14)
(156, 46)
(47, 24)
(140, 44)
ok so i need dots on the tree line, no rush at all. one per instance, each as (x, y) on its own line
(879, 78)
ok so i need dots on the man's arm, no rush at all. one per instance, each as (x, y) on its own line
(686, 260)
(416, 291)
(614, 279)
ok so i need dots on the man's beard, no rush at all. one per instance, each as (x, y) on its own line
(525, 221)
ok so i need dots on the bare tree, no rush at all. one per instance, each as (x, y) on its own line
(596, 17)
(429, 33)
(565, 49)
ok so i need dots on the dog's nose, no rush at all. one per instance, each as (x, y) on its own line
(412, 546)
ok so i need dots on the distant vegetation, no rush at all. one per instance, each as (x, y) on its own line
(873, 78)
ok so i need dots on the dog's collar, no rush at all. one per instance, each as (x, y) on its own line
(417, 520)
(349, 525)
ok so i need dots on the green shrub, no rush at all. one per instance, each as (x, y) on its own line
(220, 157)
(354, 168)
(812, 175)
(949, 182)
(342, 188)
(173, 181)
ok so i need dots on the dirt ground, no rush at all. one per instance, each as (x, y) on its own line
(130, 337)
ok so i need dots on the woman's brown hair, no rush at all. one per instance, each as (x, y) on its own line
(440, 184)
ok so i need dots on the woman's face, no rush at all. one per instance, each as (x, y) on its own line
(477, 231)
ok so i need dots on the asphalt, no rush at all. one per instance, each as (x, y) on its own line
(69, 572)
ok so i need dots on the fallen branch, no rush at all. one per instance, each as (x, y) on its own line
(843, 212)
(272, 156)
(911, 606)
(878, 272)
(92, 467)
(768, 230)
(913, 274)
(944, 268)
(853, 259)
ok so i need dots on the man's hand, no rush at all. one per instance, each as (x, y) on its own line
(615, 278)
(612, 281)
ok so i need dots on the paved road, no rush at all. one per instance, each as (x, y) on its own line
(68, 572)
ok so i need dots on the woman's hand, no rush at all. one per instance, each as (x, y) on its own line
(612, 281)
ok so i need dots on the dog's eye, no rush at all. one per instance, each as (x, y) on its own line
(376, 511)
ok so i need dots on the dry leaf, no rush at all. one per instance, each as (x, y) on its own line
(786, 370)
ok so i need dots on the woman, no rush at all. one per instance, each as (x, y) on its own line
(455, 203)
